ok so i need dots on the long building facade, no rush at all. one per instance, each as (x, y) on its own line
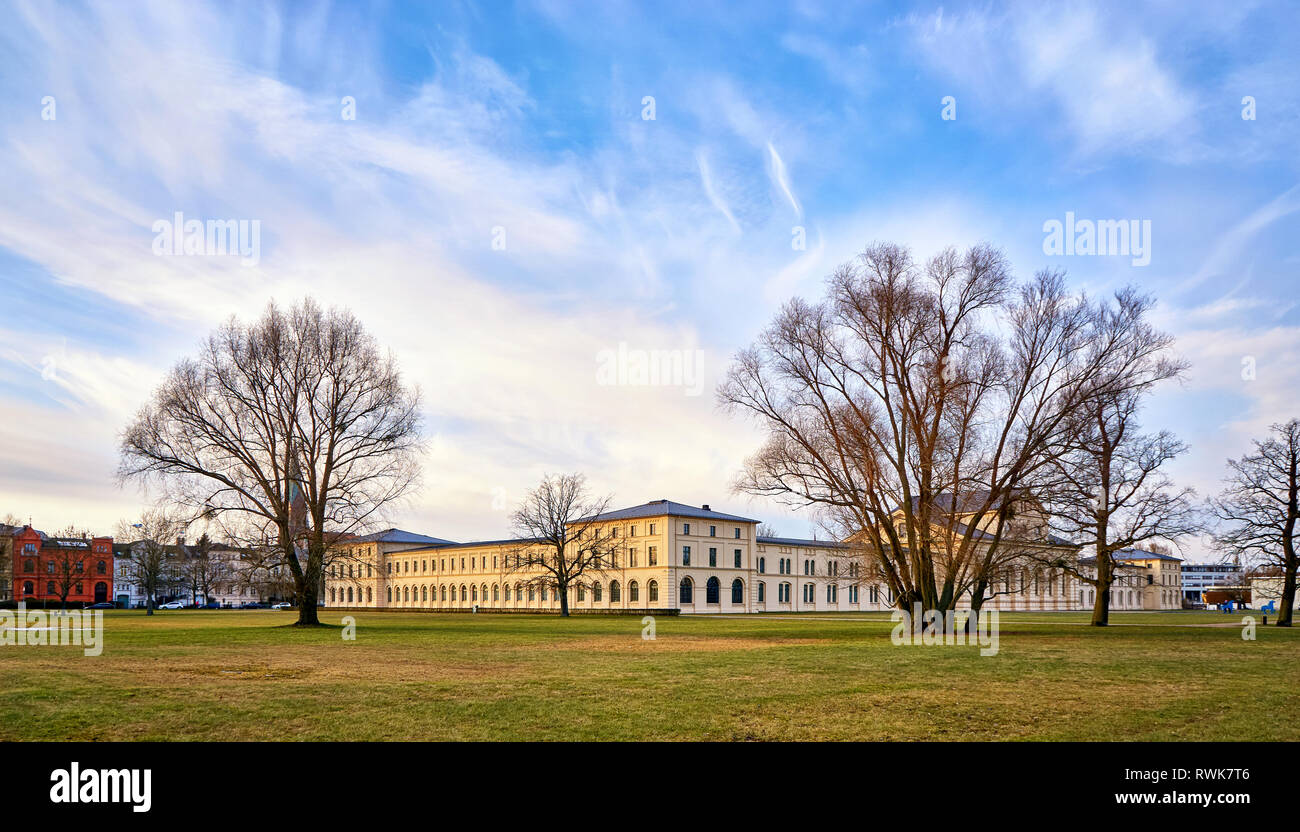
(671, 557)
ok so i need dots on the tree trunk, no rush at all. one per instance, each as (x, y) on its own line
(564, 601)
(308, 615)
(976, 604)
(1287, 603)
(1101, 607)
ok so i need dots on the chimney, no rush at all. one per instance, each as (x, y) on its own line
(706, 507)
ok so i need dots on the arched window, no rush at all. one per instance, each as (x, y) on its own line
(685, 592)
(762, 565)
(473, 593)
(424, 593)
(406, 594)
(737, 592)
(370, 595)
(102, 568)
(496, 593)
(519, 593)
(390, 595)
(483, 593)
(595, 592)
(712, 591)
(443, 592)
(464, 593)
(614, 595)
(762, 592)
(652, 592)
(582, 592)
(633, 592)
(349, 595)
(331, 595)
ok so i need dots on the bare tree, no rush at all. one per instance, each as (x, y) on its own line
(152, 564)
(1107, 493)
(765, 530)
(202, 570)
(560, 542)
(912, 406)
(69, 565)
(295, 429)
(1260, 508)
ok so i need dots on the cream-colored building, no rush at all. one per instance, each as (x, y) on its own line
(671, 556)
(1143, 581)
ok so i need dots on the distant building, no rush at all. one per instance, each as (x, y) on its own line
(1266, 588)
(48, 569)
(1199, 577)
(1143, 581)
(692, 559)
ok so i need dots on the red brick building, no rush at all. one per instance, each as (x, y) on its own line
(46, 569)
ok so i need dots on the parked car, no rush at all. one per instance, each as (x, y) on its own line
(283, 605)
(252, 605)
(103, 605)
(172, 605)
(211, 605)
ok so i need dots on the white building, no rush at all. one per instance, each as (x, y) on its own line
(1198, 577)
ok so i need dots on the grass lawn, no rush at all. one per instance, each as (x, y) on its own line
(240, 675)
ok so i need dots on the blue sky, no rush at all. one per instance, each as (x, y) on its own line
(671, 233)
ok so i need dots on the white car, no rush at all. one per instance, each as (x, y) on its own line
(283, 605)
(172, 605)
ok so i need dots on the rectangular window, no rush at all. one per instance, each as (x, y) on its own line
(686, 528)
(652, 528)
(738, 532)
(713, 531)
(652, 557)
(713, 556)
(686, 556)
(737, 563)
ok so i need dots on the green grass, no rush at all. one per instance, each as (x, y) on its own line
(234, 675)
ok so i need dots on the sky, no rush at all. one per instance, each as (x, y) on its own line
(511, 196)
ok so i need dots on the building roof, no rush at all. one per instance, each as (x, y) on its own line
(657, 508)
(1142, 554)
(798, 541)
(472, 543)
(401, 536)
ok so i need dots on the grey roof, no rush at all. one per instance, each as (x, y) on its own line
(1142, 554)
(656, 508)
(798, 541)
(401, 536)
(507, 541)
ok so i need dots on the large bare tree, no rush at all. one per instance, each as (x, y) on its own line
(560, 543)
(1260, 508)
(912, 406)
(1106, 491)
(294, 429)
